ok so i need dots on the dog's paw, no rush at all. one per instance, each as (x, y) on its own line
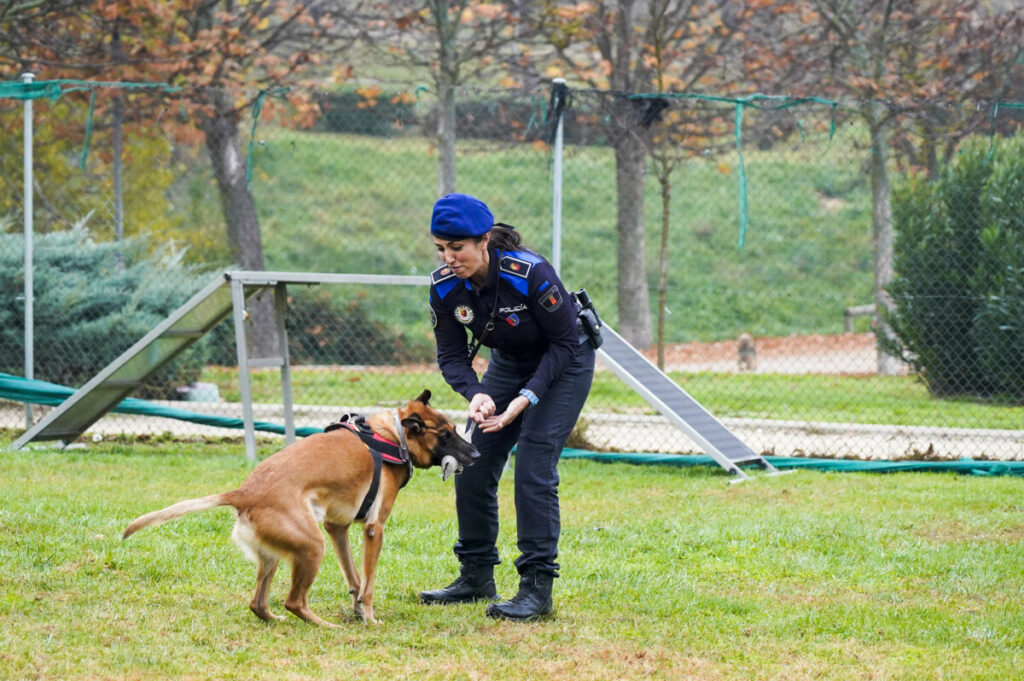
(449, 467)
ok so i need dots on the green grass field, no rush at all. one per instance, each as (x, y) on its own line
(666, 574)
(886, 400)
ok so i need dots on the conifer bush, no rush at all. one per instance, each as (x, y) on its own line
(92, 301)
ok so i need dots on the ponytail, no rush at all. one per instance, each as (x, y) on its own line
(506, 238)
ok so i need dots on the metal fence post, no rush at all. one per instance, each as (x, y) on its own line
(281, 312)
(238, 314)
(558, 93)
(29, 227)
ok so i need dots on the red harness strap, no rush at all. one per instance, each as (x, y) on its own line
(381, 450)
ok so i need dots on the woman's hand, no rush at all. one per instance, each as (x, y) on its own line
(481, 407)
(495, 423)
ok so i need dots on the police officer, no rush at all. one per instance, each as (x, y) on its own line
(512, 301)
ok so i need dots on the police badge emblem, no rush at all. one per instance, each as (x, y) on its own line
(464, 314)
(552, 300)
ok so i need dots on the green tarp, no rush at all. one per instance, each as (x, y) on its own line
(21, 389)
(970, 466)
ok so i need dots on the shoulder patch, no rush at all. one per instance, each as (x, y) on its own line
(516, 266)
(441, 274)
(552, 300)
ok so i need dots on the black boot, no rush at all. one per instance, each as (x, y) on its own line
(474, 583)
(532, 601)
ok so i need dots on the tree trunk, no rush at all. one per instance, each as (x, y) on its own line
(882, 232)
(633, 297)
(243, 229)
(118, 131)
(117, 53)
(446, 141)
(665, 179)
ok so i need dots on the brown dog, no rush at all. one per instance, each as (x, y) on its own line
(327, 477)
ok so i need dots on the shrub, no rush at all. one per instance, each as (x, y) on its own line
(382, 115)
(959, 284)
(324, 330)
(388, 114)
(92, 301)
(999, 323)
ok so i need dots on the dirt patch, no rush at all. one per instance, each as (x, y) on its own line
(846, 353)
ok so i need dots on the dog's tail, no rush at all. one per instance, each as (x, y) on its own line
(176, 511)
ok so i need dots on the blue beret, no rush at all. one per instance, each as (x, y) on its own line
(460, 216)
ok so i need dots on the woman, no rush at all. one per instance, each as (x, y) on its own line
(512, 301)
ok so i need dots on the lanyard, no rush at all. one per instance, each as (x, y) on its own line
(474, 347)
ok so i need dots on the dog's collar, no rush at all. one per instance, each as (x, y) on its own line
(403, 446)
(402, 443)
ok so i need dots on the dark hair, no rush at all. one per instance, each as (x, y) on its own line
(506, 237)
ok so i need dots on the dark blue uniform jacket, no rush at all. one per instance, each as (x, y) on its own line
(535, 323)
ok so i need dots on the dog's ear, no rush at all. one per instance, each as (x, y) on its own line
(424, 397)
(414, 423)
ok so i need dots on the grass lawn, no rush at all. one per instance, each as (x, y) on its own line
(887, 400)
(666, 574)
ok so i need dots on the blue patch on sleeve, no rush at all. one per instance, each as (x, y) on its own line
(518, 283)
(531, 258)
(544, 285)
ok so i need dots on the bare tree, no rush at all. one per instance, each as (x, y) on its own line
(615, 45)
(226, 53)
(453, 42)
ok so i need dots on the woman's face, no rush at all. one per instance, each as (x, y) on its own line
(467, 257)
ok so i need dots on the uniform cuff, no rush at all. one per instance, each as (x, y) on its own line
(472, 391)
(528, 394)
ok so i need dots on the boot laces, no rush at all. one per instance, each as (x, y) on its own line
(527, 590)
(459, 581)
(519, 598)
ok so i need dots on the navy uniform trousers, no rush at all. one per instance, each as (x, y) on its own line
(538, 434)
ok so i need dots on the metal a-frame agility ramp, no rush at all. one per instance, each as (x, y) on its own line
(675, 404)
(228, 294)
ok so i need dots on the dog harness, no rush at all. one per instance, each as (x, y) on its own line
(381, 450)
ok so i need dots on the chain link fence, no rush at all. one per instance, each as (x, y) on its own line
(757, 257)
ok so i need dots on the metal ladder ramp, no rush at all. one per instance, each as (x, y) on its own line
(122, 376)
(662, 393)
(226, 294)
